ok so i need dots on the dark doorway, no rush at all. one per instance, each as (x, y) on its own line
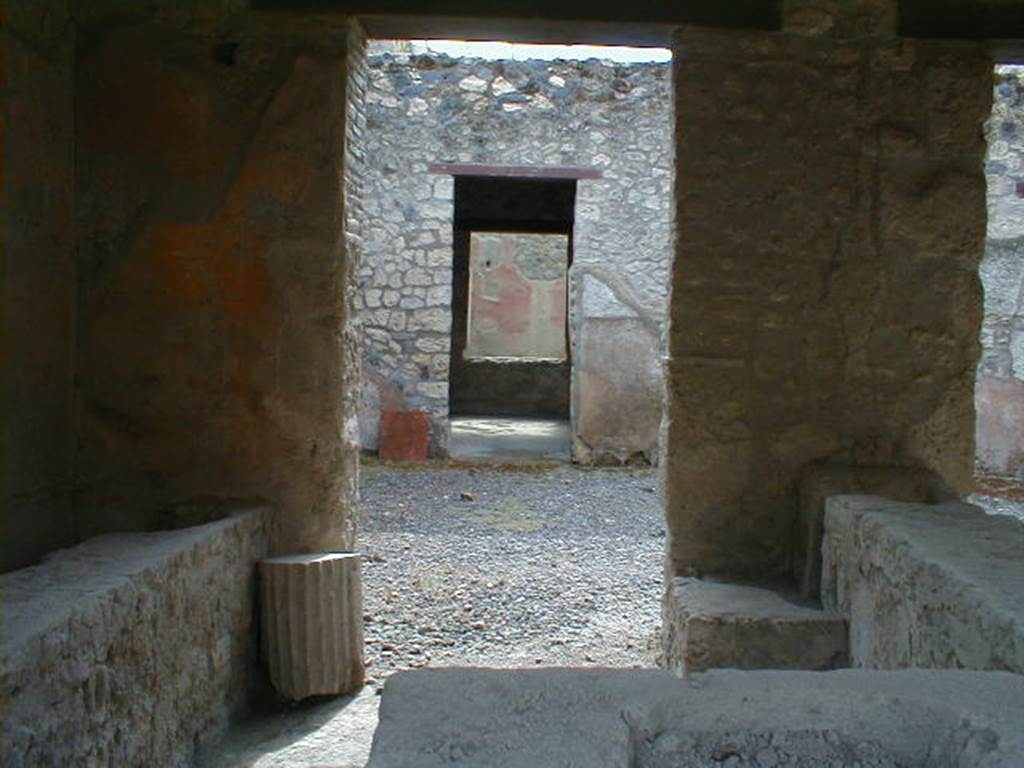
(512, 249)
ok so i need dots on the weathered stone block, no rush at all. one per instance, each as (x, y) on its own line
(710, 624)
(312, 615)
(926, 586)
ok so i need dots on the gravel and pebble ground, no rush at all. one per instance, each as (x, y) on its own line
(510, 567)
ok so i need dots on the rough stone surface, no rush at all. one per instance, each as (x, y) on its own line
(825, 295)
(926, 586)
(1000, 390)
(37, 280)
(426, 109)
(311, 609)
(716, 625)
(129, 649)
(214, 353)
(648, 719)
(820, 481)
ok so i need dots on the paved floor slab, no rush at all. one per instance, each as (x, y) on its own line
(602, 718)
(508, 439)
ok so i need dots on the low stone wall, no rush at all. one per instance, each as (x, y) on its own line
(130, 648)
(926, 586)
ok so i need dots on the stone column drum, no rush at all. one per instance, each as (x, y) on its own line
(312, 623)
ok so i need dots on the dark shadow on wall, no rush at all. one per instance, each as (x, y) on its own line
(482, 386)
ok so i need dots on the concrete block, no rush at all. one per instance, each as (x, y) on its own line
(709, 624)
(926, 586)
(312, 613)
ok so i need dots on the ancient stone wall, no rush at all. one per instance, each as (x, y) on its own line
(214, 352)
(825, 294)
(425, 109)
(925, 585)
(37, 279)
(1000, 389)
(130, 649)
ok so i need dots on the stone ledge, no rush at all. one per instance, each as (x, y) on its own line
(129, 648)
(605, 718)
(710, 624)
(926, 586)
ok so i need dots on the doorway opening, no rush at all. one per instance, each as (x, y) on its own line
(513, 270)
(510, 356)
(558, 172)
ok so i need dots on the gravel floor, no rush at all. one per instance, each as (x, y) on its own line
(507, 568)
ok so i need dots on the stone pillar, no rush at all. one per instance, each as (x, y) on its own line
(825, 301)
(312, 619)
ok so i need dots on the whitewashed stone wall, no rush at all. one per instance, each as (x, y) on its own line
(131, 648)
(424, 109)
(1000, 388)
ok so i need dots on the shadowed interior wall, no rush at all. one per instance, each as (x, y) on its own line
(37, 280)
(214, 354)
(826, 303)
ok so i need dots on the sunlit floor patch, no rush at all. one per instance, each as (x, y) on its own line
(508, 439)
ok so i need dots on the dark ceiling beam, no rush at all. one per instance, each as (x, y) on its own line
(962, 19)
(734, 14)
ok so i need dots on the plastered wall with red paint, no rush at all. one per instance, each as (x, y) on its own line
(213, 342)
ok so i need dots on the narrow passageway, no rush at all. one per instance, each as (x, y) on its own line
(510, 565)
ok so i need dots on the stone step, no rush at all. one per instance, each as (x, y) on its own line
(708, 624)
